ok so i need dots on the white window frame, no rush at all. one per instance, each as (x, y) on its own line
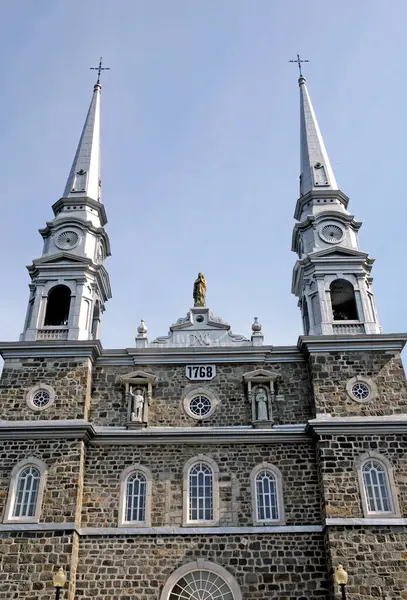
(11, 498)
(265, 466)
(123, 496)
(392, 489)
(200, 458)
(201, 565)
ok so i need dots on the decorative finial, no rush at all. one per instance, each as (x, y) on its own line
(199, 293)
(142, 329)
(99, 69)
(299, 61)
(256, 327)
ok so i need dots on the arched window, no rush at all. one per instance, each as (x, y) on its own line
(343, 301)
(201, 580)
(58, 304)
(378, 491)
(305, 315)
(200, 493)
(376, 487)
(135, 497)
(267, 495)
(26, 491)
(201, 501)
(96, 321)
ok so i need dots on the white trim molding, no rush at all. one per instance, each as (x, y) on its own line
(136, 468)
(199, 391)
(207, 460)
(264, 466)
(201, 565)
(34, 390)
(11, 498)
(391, 486)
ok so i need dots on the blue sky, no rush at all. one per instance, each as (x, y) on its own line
(200, 147)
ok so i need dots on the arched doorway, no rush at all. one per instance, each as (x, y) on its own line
(201, 580)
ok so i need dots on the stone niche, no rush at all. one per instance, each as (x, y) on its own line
(261, 391)
(138, 391)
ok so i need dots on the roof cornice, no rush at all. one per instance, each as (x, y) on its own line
(52, 348)
(322, 195)
(314, 344)
(84, 201)
(382, 425)
(81, 429)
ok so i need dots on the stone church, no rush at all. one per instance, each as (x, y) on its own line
(203, 464)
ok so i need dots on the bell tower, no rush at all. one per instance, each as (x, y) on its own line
(69, 283)
(332, 276)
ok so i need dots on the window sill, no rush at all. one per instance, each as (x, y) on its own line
(18, 520)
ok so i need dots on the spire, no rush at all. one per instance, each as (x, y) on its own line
(84, 178)
(316, 170)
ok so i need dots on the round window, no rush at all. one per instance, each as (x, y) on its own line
(200, 403)
(200, 406)
(67, 240)
(361, 389)
(40, 397)
(331, 233)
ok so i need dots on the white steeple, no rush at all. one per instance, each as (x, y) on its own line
(70, 284)
(331, 277)
(316, 170)
(84, 177)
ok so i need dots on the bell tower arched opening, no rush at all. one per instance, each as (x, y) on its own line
(58, 305)
(343, 301)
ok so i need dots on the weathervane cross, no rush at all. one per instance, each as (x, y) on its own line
(299, 61)
(99, 69)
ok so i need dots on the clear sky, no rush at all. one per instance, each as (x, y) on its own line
(200, 147)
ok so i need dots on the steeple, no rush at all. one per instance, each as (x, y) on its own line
(331, 277)
(316, 170)
(69, 283)
(84, 177)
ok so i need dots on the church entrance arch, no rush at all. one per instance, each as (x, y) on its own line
(201, 580)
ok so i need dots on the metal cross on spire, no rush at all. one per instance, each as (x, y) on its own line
(299, 61)
(99, 69)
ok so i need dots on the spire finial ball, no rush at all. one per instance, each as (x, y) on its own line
(142, 328)
(256, 327)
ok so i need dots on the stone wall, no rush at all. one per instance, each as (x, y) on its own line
(337, 463)
(70, 380)
(104, 465)
(109, 405)
(331, 371)
(375, 558)
(63, 460)
(28, 561)
(280, 566)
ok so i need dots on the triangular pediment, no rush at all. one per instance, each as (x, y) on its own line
(138, 377)
(338, 251)
(260, 375)
(61, 257)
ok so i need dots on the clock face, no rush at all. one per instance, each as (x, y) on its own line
(332, 234)
(67, 240)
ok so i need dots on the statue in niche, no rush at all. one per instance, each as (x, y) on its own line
(261, 404)
(200, 290)
(137, 405)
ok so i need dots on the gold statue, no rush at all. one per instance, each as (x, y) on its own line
(200, 290)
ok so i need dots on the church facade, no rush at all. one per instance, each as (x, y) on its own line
(203, 464)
